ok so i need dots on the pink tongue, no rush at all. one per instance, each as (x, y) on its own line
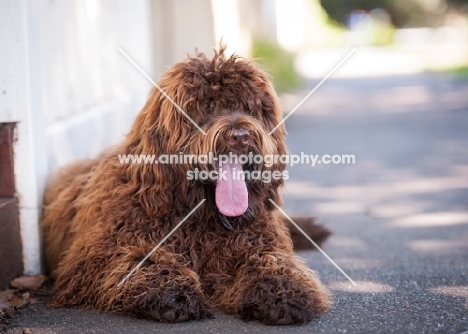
(232, 198)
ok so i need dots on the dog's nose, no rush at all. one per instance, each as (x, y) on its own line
(240, 138)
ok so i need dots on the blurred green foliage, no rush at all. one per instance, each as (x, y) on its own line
(278, 63)
(339, 10)
(460, 72)
(382, 34)
(404, 13)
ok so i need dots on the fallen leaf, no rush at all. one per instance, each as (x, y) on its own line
(5, 297)
(29, 282)
(25, 298)
(16, 301)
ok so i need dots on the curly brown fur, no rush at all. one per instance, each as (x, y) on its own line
(102, 217)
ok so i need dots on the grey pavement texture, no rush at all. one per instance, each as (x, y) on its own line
(399, 214)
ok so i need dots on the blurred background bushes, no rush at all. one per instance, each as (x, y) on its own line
(278, 63)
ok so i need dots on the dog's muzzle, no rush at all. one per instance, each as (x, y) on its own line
(239, 139)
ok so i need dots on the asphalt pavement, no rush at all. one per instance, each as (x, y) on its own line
(399, 214)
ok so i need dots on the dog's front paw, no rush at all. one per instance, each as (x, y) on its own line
(173, 305)
(173, 295)
(282, 301)
(179, 306)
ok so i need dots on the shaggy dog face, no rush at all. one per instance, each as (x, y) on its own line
(226, 97)
(233, 253)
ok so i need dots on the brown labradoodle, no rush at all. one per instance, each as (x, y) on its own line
(234, 253)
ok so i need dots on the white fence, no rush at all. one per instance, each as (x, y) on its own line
(68, 87)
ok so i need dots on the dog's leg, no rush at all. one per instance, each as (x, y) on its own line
(279, 290)
(270, 283)
(163, 288)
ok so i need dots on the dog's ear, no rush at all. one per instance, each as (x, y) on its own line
(159, 129)
(265, 103)
(272, 115)
(163, 127)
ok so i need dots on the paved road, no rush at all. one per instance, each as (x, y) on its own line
(400, 214)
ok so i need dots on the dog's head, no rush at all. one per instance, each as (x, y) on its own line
(224, 106)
